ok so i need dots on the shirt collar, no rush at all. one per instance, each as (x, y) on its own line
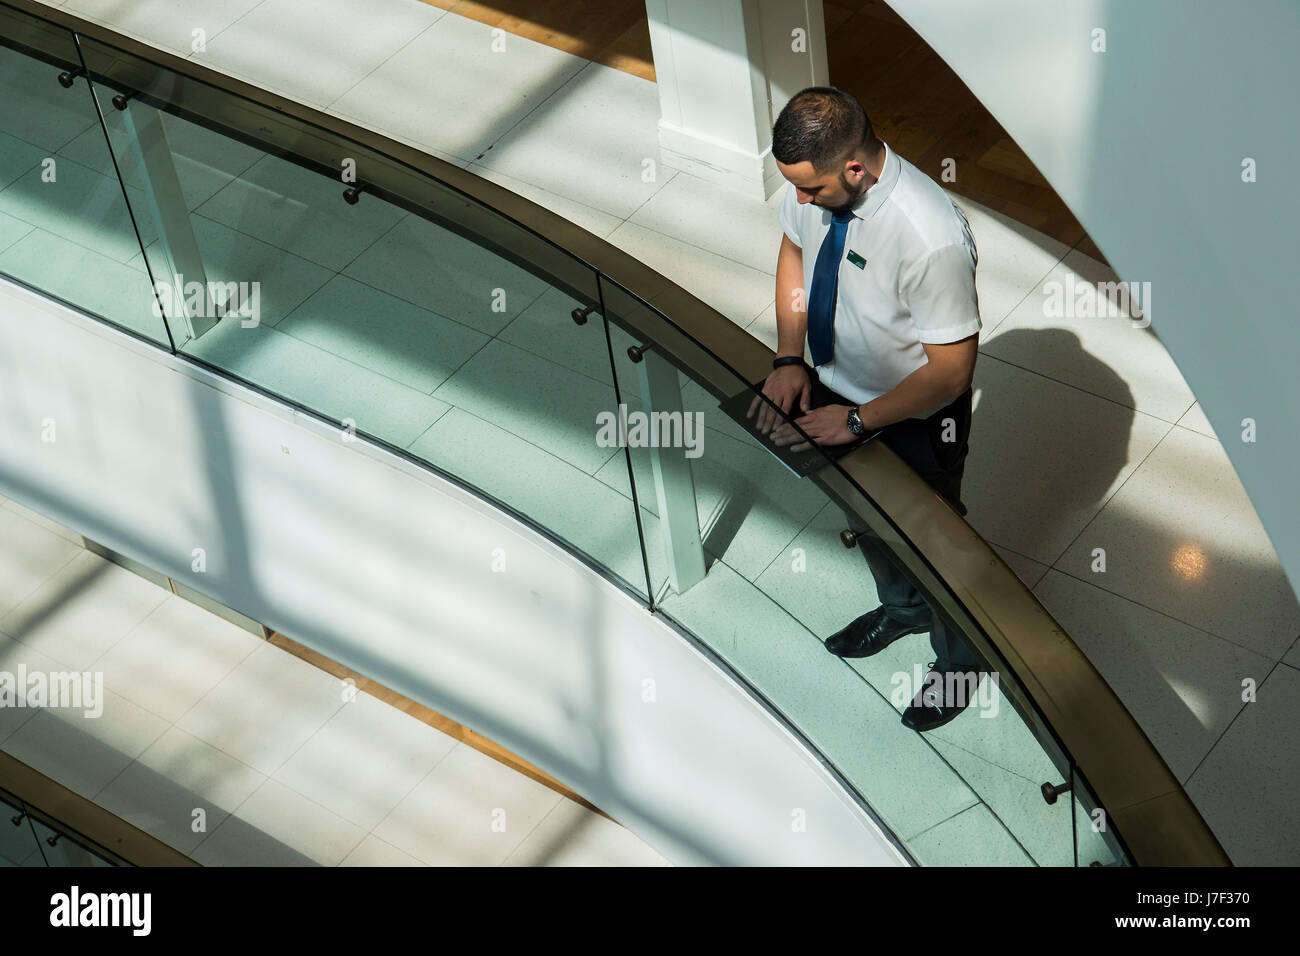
(871, 200)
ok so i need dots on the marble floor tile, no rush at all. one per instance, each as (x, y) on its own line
(469, 811)
(314, 50)
(1182, 538)
(613, 164)
(1045, 457)
(343, 770)
(1246, 787)
(179, 789)
(462, 60)
(1182, 685)
(1111, 356)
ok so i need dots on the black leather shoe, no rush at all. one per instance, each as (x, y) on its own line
(871, 634)
(941, 698)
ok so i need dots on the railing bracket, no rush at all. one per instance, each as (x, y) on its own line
(1051, 792)
(67, 78)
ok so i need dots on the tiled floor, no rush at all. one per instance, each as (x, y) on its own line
(236, 752)
(1087, 444)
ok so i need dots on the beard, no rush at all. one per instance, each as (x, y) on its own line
(853, 196)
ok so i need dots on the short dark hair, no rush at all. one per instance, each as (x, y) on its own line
(821, 125)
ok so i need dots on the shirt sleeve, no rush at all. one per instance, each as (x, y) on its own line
(939, 291)
(789, 215)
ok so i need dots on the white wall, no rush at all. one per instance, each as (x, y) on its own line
(1145, 143)
(387, 569)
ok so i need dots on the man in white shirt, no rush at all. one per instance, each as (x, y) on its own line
(877, 273)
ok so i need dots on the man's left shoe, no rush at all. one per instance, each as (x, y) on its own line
(943, 695)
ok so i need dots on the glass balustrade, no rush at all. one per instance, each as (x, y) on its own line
(28, 838)
(779, 581)
(65, 224)
(19, 844)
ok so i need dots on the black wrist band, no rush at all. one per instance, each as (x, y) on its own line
(787, 360)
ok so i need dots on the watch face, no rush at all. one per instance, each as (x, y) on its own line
(855, 423)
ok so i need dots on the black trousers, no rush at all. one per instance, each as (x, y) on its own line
(921, 443)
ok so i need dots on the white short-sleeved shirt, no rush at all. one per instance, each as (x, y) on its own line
(916, 282)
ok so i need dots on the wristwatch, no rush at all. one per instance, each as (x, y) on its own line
(855, 423)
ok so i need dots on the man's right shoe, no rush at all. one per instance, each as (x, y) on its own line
(871, 634)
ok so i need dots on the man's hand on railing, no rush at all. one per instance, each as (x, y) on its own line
(825, 425)
(788, 387)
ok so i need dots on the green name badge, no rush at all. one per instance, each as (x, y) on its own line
(857, 260)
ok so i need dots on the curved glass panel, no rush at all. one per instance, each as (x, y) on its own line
(18, 842)
(26, 840)
(373, 308)
(65, 226)
(779, 582)
(1094, 841)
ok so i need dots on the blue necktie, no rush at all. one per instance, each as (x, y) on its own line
(821, 301)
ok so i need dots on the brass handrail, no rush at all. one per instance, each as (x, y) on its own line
(1056, 689)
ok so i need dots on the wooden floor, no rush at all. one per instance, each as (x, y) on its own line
(914, 100)
(612, 32)
(430, 717)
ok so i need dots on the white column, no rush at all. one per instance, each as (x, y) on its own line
(725, 68)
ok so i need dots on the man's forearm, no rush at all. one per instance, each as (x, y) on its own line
(791, 330)
(923, 390)
(791, 312)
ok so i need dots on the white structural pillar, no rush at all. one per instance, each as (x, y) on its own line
(725, 68)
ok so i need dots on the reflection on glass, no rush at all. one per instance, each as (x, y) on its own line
(64, 226)
(26, 841)
(398, 327)
(59, 849)
(18, 844)
(1094, 841)
(779, 581)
